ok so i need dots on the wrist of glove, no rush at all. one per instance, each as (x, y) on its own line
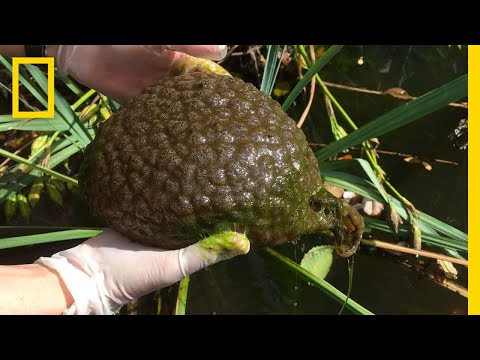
(109, 270)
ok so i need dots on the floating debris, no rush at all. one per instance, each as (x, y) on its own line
(459, 136)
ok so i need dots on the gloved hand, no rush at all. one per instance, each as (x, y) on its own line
(123, 71)
(109, 270)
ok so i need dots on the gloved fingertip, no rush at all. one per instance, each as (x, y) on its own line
(213, 52)
(208, 52)
(224, 245)
(241, 244)
(221, 52)
(211, 250)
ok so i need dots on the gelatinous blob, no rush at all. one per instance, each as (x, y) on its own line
(202, 152)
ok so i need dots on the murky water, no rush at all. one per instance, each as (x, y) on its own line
(258, 284)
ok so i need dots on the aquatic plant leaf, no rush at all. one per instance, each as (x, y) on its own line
(318, 260)
(39, 91)
(181, 303)
(25, 81)
(416, 109)
(323, 285)
(64, 109)
(17, 241)
(428, 224)
(41, 168)
(334, 165)
(54, 124)
(315, 68)
(61, 151)
(431, 239)
(272, 66)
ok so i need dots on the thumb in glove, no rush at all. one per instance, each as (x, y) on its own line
(109, 270)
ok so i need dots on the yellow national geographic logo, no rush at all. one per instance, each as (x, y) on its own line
(50, 112)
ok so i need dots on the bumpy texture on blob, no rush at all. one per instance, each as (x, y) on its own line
(201, 153)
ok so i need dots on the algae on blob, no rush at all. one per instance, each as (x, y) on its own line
(223, 246)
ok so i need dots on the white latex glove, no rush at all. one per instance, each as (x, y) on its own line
(123, 71)
(109, 270)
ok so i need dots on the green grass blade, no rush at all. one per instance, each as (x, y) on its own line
(429, 226)
(275, 72)
(340, 164)
(7, 118)
(48, 227)
(70, 84)
(83, 98)
(353, 183)
(269, 68)
(432, 101)
(64, 154)
(20, 98)
(73, 140)
(54, 124)
(361, 187)
(62, 105)
(436, 240)
(319, 64)
(29, 178)
(17, 241)
(61, 150)
(41, 168)
(55, 148)
(181, 304)
(40, 90)
(443, 228)
(25, 81)
(364, 188)
(327, 288)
